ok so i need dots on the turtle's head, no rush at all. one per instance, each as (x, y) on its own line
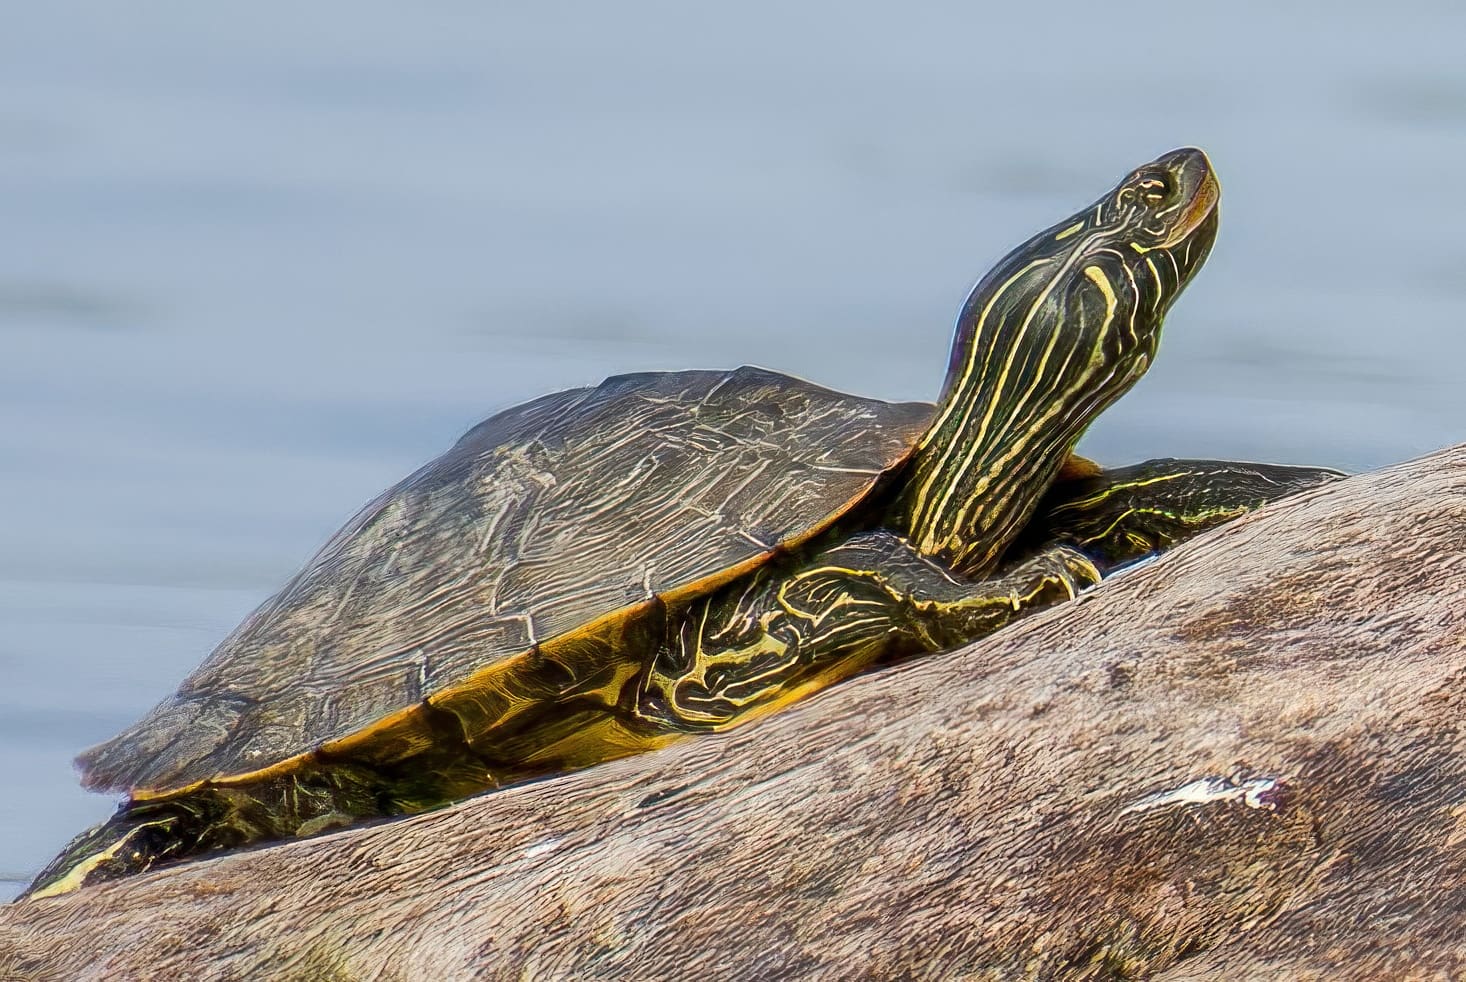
(1098, 283)
(1061, 328)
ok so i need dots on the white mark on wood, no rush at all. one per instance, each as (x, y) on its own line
(1256, 793)
(542, 847)
(1134, 564)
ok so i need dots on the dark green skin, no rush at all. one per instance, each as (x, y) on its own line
(1127, 514)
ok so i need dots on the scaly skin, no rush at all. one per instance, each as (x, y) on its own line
(1125, 514)
(764, 642)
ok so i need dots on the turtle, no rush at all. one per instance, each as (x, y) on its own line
(603, 570)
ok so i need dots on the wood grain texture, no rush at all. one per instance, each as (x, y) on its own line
(1244, 760)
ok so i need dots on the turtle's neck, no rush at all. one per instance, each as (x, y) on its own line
(1023, 383)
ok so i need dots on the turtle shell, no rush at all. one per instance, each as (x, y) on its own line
(561, 517)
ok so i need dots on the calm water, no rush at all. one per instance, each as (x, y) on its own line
(257, 264)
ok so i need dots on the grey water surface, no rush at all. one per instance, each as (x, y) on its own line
(259, 262)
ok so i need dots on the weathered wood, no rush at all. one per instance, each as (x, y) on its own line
(1035, 805)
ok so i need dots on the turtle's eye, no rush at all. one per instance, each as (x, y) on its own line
(1153, 188)
(1147, 189)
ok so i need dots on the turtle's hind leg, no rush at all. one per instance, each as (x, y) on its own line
(149, 832)
(131, 841)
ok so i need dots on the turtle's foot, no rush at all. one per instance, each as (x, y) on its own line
(1049, 577)
(1058, 573)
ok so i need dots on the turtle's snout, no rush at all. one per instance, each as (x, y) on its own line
(1170, 201)
(1185, 160)
(1198, 193)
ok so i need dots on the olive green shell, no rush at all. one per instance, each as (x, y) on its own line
(565, 509)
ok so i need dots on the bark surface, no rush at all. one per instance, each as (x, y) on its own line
(1244, 760)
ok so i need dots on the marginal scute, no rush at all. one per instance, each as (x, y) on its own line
(556, 516)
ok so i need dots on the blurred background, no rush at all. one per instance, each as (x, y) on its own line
(258, 263)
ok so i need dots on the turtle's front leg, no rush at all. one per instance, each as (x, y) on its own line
(761, 643)
(1119, 515)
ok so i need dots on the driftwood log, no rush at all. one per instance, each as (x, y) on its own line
(1247, 759)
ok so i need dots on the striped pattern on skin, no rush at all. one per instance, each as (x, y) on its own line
(764, 642)
(1124, 514)
(1058, 331)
